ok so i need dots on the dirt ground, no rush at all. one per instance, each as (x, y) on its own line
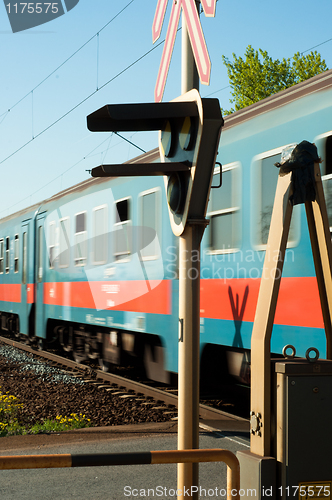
(44, 400)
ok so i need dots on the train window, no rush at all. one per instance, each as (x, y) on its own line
(269, 179)
(24, 259)
(100, 235)
(264, 188)
(327, 185)
(122, 232)
(122, 210)
(16, 253)
(40, 254)
(324, 145)
(51, 244)
(224, 210)
(328, 155)
(148, 235)
(7, 254)
(1, 255)
(64, 241)
(81, 250)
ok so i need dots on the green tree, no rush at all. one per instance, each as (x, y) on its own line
(258, 76)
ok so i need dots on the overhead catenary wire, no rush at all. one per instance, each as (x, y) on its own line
(3, 116)
(88, 155)
(96, 35)
(315, 46)
(66, 60)
(83, 101)
(75, 107)
(301, 53)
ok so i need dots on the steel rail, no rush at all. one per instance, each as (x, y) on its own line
(206, 412)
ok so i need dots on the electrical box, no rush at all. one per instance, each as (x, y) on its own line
(302, 414)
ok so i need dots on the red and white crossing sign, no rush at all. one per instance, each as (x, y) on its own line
(196, 37)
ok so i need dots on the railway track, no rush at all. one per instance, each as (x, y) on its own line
(124, 387)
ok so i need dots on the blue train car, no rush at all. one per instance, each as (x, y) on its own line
(17, 272)
(96, 265)
(240, 213)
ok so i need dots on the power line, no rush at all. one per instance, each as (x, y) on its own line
(68, 59)
(84, 100)
(311, 48)
(60, 175)
(219, 90)
(329, 40)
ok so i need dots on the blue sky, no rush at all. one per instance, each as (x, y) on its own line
(57, 156)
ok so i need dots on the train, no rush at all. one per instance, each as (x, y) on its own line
(95, 267)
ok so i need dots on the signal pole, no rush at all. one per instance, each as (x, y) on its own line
(189, 310)
(189, 73)
(190, 129)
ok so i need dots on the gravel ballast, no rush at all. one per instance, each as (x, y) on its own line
(47, 392)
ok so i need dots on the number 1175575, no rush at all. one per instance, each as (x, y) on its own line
(33, 8)
(308, 491)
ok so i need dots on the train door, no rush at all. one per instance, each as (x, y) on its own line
(26, 285)
(40, 330)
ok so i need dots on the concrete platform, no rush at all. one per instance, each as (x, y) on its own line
(111, 483)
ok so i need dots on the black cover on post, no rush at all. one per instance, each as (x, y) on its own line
(301, 164)
(138, 117)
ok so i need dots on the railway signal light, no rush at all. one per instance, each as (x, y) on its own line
(189, 137)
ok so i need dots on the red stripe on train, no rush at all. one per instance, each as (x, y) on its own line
(10, 292)
(154, 297)
(30, 293)
(236, 299)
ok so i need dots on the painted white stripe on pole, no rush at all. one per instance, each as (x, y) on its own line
(196, 37)
(198, 42)
(167, 52)
(158, 19)
(209, 7)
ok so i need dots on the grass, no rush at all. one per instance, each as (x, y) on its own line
(9, 425)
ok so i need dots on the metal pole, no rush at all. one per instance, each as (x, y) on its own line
(189, 307)
(189, 74)
(189, 299)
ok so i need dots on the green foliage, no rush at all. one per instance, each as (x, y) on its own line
(61, 423)
(258, 76)
(9, 407)
(9, 425)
